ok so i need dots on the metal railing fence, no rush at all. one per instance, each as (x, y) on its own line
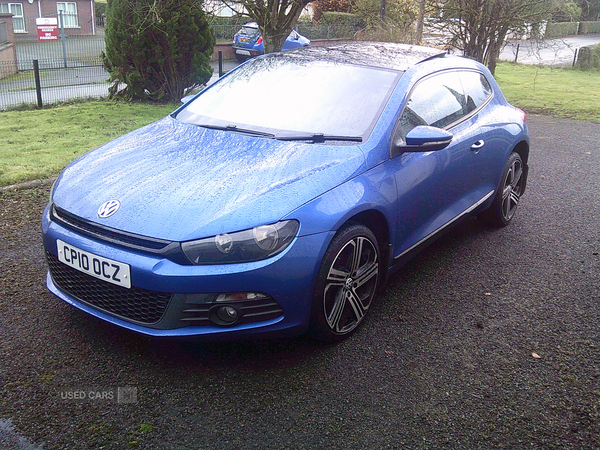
(93, 46)
(89, 80)
(79, 51)
(75, 70)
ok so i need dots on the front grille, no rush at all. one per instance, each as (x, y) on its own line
(109, 234)
(134, 304)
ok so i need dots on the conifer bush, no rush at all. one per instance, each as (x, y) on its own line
(157, 49)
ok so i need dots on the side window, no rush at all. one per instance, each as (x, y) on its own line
(477, 89)
(437, 101)
(16, 9)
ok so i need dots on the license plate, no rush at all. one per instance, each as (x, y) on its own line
(103, 268)
(243, 52)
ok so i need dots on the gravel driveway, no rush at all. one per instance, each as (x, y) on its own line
(488, 339)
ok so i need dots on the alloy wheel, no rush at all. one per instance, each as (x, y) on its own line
(511, 193)
(350, 285)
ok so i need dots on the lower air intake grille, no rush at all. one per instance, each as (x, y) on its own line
(135, 304)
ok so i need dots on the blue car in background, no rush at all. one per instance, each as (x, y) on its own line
(221, 221)
(248, 42)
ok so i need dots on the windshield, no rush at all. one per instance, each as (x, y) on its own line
(287, 94)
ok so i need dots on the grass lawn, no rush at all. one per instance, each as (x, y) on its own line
(554, 91)
(37, 144)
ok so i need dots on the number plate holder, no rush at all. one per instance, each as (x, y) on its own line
(109, 270)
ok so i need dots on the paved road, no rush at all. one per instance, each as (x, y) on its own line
(552, 52)
(487, 340)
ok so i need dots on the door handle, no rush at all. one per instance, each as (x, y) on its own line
(477, 145)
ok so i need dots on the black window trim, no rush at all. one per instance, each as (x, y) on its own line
(393, 151)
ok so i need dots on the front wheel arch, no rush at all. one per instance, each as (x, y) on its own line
(522, 148)
(376, 221)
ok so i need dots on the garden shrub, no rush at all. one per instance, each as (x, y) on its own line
(588, 58)
(160, 50)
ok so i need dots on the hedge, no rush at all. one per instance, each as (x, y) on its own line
(589, 27)
(554, 30)
(339, 18)
(318, 31)
(236, 20)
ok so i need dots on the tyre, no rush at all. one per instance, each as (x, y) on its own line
(346, 283)
(508, 194)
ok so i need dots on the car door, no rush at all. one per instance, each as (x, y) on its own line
(434, 188)
(490, 160)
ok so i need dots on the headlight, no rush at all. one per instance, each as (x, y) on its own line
(243, 246)
(52, 189)
(50, 202)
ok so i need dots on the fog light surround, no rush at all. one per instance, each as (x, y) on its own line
(227, 309)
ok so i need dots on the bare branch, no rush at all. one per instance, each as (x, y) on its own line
(479, 27)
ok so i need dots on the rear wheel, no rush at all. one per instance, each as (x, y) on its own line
(508, 194)
(346, 284)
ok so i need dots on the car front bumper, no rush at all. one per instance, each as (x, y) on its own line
(172, 300)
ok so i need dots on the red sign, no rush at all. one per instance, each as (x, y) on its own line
(47, 29)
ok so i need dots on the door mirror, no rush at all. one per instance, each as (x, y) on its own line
(424, 139)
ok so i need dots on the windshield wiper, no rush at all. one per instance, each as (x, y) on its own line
(314, 137)
(236, 129)
(317, 137)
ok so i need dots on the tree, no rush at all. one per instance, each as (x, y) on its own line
(275, 18)
(160, 49)
(590, 9)
(420, 21)
(566, 11)
(479, 27)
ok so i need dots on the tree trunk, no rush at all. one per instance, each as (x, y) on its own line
(276, 24)
(420, 19)
(275, 18)
(494, 50)
(274, 40)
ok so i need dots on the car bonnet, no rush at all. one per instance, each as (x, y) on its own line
(178, 182)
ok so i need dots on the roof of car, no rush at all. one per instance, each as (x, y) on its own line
(377, 54)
